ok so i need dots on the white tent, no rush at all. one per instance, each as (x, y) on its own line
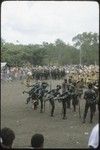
(3, 64)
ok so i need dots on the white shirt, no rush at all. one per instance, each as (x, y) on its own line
(94, 137)
(29, 73)
(0, 140)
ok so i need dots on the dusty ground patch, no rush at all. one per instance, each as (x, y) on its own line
(58, 133)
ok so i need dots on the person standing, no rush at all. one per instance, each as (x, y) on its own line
(90, 97)
(94, 137)
(53, 93)
(29, 77)
(64, 86)
(75, 96)
(42, 92)
(64, 97)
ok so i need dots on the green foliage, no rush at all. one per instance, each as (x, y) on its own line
(89, 45)
(58, 53)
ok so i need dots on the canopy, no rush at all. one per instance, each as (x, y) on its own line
(3, 64)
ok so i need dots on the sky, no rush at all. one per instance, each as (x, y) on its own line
(35, 22)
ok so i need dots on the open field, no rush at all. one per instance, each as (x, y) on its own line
(58, 133)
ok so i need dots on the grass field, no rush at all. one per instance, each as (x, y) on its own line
(25, 122)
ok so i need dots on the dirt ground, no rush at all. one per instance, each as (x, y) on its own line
(25, 122)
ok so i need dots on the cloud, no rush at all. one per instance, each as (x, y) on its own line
(38, 21)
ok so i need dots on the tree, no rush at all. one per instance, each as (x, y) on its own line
(57, 53)
(60, 48)
(87, 43)
(2, 43)
(38, 56)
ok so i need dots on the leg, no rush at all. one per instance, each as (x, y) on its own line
(64, 110)
(74, 105)
(35, 105)
(92, 110)
(53, 107)
(68, 103)
(41, 101)
(85, 112)
(27, 100)
(98, 106)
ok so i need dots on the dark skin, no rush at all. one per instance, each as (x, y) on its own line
(4, 146)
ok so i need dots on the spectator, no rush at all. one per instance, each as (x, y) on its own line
(94, 137)
(7, 137)
(37, 141)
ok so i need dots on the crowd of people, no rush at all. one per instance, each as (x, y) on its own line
(7, 137)
(38, 72)
(78, 82)
(48, 72)
(69, 92)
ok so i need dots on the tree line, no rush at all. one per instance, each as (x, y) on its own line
(57, 53)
